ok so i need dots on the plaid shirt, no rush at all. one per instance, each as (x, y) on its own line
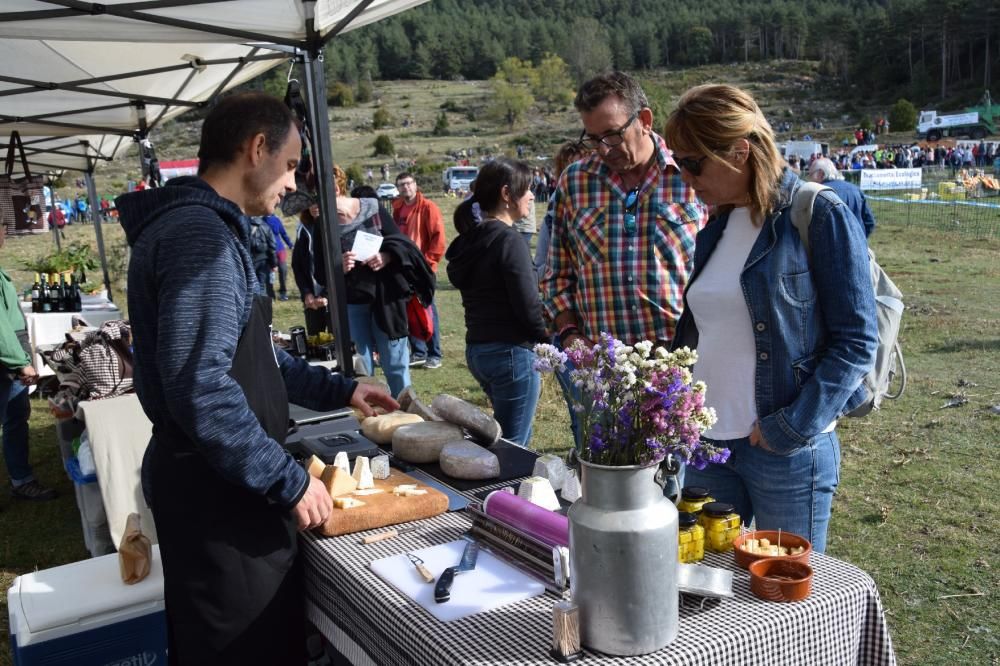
(629, 285)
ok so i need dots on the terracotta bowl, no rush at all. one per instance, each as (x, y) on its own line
(780, 579)
(744, 559)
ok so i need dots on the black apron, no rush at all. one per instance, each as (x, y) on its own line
(232, 584)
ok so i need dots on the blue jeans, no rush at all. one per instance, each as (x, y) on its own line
(793, 492)
(394, 355)
(421, 349)
(507, 374)
(15, 410)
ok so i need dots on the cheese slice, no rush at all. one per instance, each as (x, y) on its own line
(347, 503)
(316, 467)
(368, 491)
(363, 473)
(337, 481)
(408, 492)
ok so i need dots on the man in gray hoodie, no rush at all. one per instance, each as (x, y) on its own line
(226, 496)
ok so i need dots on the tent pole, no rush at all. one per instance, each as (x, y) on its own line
(95, 213)
(323, 167)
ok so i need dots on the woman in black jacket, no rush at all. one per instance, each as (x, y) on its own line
(491, 265)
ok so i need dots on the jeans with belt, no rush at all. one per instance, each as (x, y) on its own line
(793, 492)
(508, 376)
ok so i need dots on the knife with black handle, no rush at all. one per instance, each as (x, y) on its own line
(442, 590)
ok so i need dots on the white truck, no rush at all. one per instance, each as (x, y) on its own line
(932, 126)
(458, 178)
(804, 149)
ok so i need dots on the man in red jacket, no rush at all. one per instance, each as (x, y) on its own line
(419, 218)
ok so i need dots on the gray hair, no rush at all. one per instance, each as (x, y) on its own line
(620, 84)
(826, 167)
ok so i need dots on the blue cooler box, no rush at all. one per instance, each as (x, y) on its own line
(83, 614)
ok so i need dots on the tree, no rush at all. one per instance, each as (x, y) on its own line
(441, 125)
(587, 52)
(364, 91)
(554, 85)
(903, 116)
(699, 46)
(381, 118)
(510, 101)
(383, 145)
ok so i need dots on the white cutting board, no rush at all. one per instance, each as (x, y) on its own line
(491, 584)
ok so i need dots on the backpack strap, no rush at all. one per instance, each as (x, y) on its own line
(802, 209)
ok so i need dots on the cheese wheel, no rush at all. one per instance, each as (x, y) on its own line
(379, 429)
(466, 460)
(422, 442)
(483, 427)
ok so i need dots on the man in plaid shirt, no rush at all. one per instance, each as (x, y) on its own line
(624, 225)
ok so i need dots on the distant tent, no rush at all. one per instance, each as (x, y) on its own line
(175, 168)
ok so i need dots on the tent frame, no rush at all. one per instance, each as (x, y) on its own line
(307, 52)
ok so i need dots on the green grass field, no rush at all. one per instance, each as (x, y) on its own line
(915, 506)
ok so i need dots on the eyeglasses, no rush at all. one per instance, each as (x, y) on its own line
(631, 203)
(691, 164)
(611, 139)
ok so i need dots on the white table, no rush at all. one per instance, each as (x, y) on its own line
(50, 328)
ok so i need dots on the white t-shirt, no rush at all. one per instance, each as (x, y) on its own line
(726, 350)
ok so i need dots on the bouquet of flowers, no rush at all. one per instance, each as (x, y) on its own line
(635, 404)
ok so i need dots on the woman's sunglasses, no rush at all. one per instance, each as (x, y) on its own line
(691, 164)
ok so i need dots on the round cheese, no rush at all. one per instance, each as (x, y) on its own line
(466, 460)
(422, 442)
(483, 427)
(379, 429)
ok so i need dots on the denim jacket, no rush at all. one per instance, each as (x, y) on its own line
(814, 323)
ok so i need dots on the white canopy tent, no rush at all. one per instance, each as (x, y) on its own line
(82, 80)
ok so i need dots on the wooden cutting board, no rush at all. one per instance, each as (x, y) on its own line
(384, 508)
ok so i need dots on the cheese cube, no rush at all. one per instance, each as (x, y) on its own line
(538, 490)
(765, 543)
(571, 490)
(380, 467)
(552, 468)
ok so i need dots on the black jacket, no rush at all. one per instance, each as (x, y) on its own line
(491, 266)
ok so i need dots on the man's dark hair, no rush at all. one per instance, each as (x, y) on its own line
(364, 192)
(620, 84)
(237, 118)
(405, 175)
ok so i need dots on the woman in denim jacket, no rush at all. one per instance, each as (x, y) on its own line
(783, 342)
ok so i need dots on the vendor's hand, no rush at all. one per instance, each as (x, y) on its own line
(757, 438)
(367, 395)
(314, 303)
(28, 375)
(378, 261)
(349, 261)
(314, 507)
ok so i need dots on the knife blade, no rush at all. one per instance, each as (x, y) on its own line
(442, 590)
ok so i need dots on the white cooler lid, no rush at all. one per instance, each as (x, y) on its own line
(81, 590)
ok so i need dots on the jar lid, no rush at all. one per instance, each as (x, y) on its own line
(694, 493)
(685, 519)
(718, 509)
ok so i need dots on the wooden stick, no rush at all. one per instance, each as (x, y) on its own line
(954, 596)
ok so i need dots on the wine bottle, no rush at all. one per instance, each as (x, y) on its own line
(77, 298)
(36, 295)
(46, 296)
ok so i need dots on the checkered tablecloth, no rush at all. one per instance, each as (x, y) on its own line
(840, 623)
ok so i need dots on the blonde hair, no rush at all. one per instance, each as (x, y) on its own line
(568, 153)
(709, 119)
(340, 178)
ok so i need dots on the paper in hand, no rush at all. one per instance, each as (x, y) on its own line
(366, 245)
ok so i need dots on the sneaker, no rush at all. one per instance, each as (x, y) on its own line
(32, 490)
(283, 297)
(417, 362)
(433, 363)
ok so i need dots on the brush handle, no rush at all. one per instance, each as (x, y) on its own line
(381, 536)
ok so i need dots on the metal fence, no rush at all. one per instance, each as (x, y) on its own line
(943, 202)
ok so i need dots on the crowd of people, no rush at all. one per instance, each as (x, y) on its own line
(676, 233)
